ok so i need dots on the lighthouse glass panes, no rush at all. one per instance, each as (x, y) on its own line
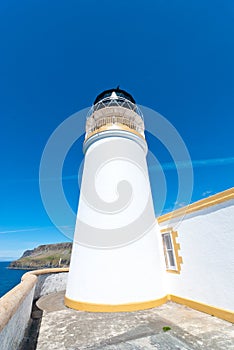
(114, 110)
(169, 251)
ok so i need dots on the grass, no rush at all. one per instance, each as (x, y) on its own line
(166, 329)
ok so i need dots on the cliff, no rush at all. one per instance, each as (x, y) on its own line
(48, 255)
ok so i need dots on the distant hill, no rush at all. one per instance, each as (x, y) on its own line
(48, 255)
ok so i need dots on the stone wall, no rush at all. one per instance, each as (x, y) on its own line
(50, 283)
(13, 332)
(16, 305)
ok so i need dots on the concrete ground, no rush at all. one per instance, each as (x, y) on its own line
(65, 329)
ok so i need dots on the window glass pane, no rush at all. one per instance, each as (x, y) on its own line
(169, 252)
(171, 258)
(168, 241)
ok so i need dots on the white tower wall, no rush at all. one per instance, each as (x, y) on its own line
(126, 269)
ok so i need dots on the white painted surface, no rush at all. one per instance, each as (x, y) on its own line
(134, 273)
(131, 273)
(13, 331)
(50, 283)
(12, 334)
(206, 239)
(130, 166)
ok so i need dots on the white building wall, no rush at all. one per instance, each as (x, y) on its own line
(206, 240)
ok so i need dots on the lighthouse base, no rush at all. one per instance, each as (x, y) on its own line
(83, 306)
(125, 279)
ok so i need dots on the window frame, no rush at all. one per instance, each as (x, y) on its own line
(172, 248)
(168, 248)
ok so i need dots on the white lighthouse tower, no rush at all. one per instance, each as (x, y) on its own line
(117, 261)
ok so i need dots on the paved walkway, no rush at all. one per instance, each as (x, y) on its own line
(65, 329)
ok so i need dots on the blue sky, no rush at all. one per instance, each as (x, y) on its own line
(175, 57)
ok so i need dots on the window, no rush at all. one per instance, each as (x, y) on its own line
(171, 250)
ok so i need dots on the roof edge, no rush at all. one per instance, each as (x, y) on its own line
(199, 205)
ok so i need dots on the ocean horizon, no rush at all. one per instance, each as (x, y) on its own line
(9, 278)
(7, 259)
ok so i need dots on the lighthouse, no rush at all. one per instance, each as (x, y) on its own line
(117, 261)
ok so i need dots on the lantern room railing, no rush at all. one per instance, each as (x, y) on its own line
(114, 112)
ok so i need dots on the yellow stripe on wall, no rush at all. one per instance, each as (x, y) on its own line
(90, 307)
(83, 306)
(199, 205)
(208, 309)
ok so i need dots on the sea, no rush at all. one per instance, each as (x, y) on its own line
(8, 278)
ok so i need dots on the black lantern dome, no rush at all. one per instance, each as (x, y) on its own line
(119, 92)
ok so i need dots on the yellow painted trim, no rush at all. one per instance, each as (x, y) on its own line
(176, 248)
(199, 205)
(116, 126)
(208, 309)
(83, 306)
